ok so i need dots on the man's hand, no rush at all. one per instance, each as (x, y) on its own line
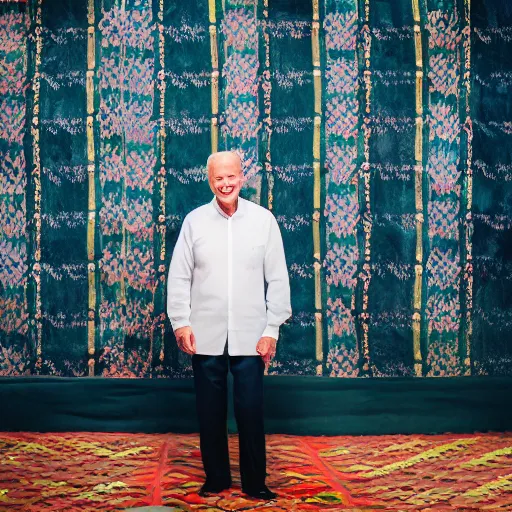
(186, 340)
(266, 348)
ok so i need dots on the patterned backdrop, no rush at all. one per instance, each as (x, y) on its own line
(377, 131)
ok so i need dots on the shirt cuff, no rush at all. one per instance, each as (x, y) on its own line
(271, 332)
(179, 324)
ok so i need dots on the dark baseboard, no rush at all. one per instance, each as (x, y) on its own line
(293, 405)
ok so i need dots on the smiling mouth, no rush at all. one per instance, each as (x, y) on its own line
(226, 191)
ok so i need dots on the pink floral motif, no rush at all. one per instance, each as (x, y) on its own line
(13, 60)
(342, 212)
(13, 80)
(14, 363)
(13, 312)
(139, 319)
(139, 219)
(131, 74)
(13, 263)
(139, 265)
(250, 164)
(127, 168)
(443, 265)
(443, 74)
(444, 123)
(241, 119)
(111, 314)
(241, 74)
(12, 219)
(341, 76)
(137, 323)
(442, 360)
(111, 215)
(341, 161)
(444, 269)
(443, 313)
(341, 265)
(343, 362)
(239, 122)
(443, 170)
(127, 27)
(340, 317)
(442, 218)
(111, 264)
(444, 30)
(139, 170)
(340, 31)
(12, 120)
(111, 164)
(341, 117)
(133, 120)
(124, 364)
(240, 29)
(13, 31)
(13, 179)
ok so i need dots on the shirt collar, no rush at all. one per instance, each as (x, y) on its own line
(239, 211)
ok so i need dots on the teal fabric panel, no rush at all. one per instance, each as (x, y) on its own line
(492, 200)
(377, 132)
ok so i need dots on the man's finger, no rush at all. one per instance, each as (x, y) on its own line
(184, 344)
(187, 347)
(262, 347)
(193, 342)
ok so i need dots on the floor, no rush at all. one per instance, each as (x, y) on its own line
(107, 471)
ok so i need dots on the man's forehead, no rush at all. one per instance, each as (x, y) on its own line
(224, 158)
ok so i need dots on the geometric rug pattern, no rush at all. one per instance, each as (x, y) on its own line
(110, 471)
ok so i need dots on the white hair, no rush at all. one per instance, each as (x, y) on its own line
(213, 156)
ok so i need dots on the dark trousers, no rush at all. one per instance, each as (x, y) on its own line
(210, 379)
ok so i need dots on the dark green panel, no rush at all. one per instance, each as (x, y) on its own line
(64, 187)
(292, 100)
(392, 193)
(293, 405)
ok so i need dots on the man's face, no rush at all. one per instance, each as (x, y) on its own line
(225, 177)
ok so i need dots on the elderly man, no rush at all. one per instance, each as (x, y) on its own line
(226, 251)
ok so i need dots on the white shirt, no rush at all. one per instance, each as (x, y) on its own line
(217, 278)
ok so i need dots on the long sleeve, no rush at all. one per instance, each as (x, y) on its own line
(278, 285)
(180, 279)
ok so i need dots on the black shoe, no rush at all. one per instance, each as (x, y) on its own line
(208, 489)
(261, 494)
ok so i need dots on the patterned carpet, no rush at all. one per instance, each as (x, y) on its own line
(105, 471)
